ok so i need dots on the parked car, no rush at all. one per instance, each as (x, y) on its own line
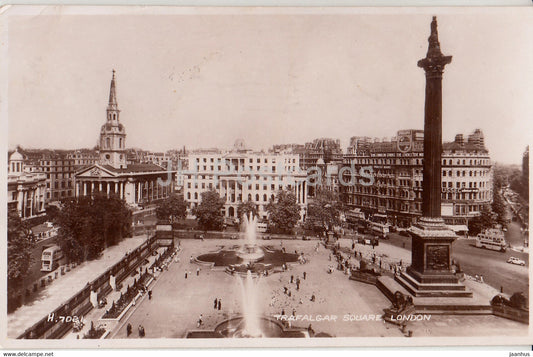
(514, 260)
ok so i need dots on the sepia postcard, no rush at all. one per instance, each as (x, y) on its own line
(265, 176)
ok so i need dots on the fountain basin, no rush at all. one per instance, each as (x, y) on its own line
(267, 259)
(250, 253)
(235, 327)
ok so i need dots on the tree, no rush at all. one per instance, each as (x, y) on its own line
(19, 245)
(174, 207)
(477, 224)
(323, 213)
(209, 212)
(52, 212)
(245, 208)
(283, 212)
(520, 185)
(499, 208)
(88, 225)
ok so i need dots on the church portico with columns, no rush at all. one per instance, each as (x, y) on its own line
(137, 184)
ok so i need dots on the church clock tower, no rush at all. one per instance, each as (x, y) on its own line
(112, 134)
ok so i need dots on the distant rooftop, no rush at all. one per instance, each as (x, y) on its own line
(147, 167)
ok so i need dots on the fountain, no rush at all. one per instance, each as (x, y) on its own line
(250, 252)
(248, 260)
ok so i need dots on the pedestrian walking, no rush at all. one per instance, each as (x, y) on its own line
(219, 304)
(305, 274)
(150, 294)
(292, 278)
(185, 275)
(139, 329)
(128, 330)
(200, 321)
(197, 271)
(215, 303)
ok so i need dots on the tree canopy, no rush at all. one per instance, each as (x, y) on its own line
(19, 245)
(283, 212)
(484, 221)
(245, 208)
(209, 212)
(323, 212)
(88, 225)
(499, 208)
(174, 207)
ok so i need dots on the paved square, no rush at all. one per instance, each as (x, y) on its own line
(178, 301)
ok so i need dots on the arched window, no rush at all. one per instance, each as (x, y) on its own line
(249, 197)
(107, 142)
(188, 195)
(120, 143)
(196, 195)
(257, 197)
(264, 197)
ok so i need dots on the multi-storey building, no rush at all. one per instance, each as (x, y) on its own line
(329, 150)
(386, 177)
(83, 158)
(25, 190)
(59, 170)
(241, 175)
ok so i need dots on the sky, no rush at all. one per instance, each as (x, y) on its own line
(206, 78)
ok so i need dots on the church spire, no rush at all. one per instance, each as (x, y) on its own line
(112, 95)
(112, 134)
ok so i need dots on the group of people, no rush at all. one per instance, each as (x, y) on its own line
(129, 329)
(217, 304)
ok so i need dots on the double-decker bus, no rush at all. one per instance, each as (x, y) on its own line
(50, 258)
(492, 239)
(380, 229)
(378, 224)
(262, 227)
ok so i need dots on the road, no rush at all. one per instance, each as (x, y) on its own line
(492, 265)
(35, 268)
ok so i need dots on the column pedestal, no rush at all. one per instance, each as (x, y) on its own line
(430, 274)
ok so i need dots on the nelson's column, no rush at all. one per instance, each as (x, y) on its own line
(430, 272)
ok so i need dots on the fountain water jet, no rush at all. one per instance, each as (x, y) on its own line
(252, 326)
(249, 251)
